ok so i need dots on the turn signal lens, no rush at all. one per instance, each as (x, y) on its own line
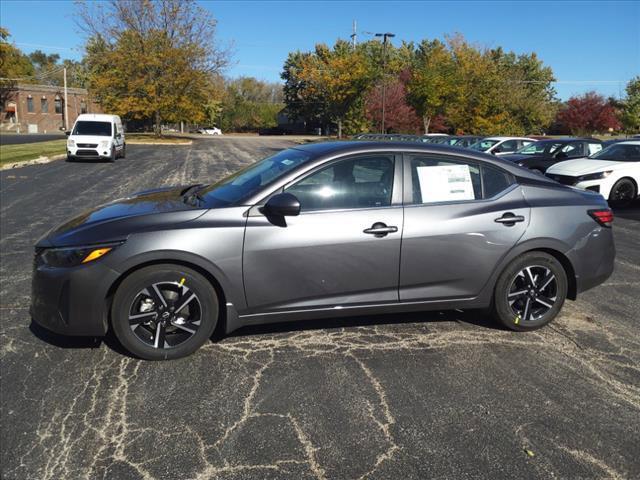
(604, 217)
(95, 254)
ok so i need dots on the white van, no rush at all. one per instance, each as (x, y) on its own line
(95, 135)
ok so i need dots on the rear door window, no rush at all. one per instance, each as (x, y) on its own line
(435, 180)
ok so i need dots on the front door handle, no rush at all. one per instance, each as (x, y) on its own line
(380, 230)
(509, 219)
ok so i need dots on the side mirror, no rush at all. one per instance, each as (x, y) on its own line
(67, 133)
(281, 205)
(496, 151)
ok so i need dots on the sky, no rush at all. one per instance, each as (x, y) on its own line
(589, 45)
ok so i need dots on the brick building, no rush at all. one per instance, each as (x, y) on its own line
(40, 108)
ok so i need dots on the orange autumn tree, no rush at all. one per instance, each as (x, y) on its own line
(152, 59)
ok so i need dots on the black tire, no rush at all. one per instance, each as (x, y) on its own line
(123, 152)
(530, 310)
(173, 283)
(113, 156)
(623, 193)
(70, 158)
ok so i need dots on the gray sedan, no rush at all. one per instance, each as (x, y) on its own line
(322, 230)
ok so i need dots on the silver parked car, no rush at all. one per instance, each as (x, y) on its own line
(323, 230)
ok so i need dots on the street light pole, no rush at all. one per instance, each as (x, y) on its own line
(384, 36)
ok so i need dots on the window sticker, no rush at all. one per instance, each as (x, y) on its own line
(445, 183)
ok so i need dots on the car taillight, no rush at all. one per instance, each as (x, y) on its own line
(604, 217)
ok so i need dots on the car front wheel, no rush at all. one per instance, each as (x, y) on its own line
(530, 292)
(164, 312)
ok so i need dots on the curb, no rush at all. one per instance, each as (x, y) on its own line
(190, 142)
(35, 161)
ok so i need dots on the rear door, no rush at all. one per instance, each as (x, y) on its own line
(343, 248)
(460, 219)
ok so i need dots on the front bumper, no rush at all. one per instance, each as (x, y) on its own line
(601, 185)
(71, 301)
(88, 151)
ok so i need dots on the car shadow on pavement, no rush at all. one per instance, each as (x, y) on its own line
(472, 317)
(629, 213)
(63, 341)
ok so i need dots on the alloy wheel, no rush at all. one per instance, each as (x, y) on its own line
(165, 314)
(533, 292)
(623, 192)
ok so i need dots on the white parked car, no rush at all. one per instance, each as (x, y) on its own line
(614, 172)
(96, 136)
(501, 145)
(210, 131)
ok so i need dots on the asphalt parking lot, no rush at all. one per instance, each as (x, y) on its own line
(443, 394)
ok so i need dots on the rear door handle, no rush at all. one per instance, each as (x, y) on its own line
(380, 229)
(509, 219)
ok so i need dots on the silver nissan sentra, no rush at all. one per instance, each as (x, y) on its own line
(322, 230)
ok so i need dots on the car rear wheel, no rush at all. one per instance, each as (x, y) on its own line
(623, 193)
(530, 292)
(164, 312)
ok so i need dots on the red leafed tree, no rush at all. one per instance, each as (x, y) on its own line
(399, 117)
(586, 114)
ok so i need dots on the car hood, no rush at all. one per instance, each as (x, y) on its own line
(90, 138)
(114, 221)
(581, 166)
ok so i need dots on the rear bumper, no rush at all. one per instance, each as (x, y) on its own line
(593, 259)
(71, 301)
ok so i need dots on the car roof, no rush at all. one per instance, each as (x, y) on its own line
(343, 147)
(97, 116)
(630, 142)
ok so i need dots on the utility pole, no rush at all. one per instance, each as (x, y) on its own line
(384, 36)
(354, 35)
(66, 117)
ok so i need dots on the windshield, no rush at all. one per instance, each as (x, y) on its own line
(619, 153)
(250, 180)
(540, 148)
(100, 129)
(483, 145)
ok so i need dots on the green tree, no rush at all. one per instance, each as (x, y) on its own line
(430, 86)
(250, 104)
(329, 83)
(152, 59)
(630, 115)
(14, 66)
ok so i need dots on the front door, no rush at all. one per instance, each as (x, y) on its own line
(461, 218)
(343, 248)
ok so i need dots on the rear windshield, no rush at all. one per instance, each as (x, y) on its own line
(100, 129)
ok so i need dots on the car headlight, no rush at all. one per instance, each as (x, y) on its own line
(104, 144)
(74, 256)
(595, 176)
(71, 143)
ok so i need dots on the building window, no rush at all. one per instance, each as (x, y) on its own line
(83, 106)
(44, 105)
(30, 108)
(58, 104)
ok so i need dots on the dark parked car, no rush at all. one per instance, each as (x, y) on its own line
(540, 155)
(323, 230)
(464, 141)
